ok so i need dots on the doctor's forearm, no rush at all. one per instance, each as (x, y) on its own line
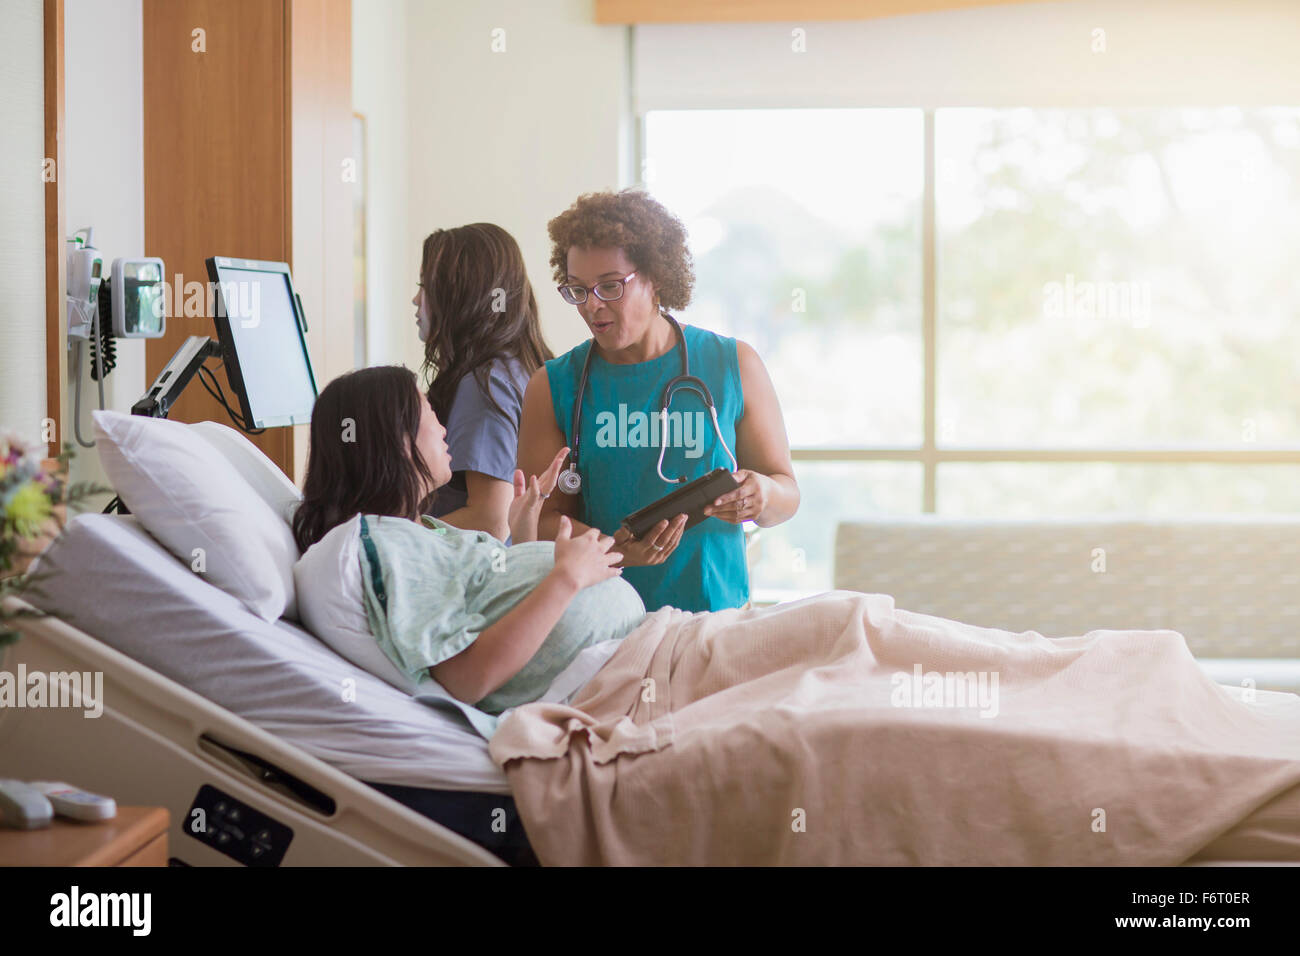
(782, 501)
(471, 519)
(548, 524)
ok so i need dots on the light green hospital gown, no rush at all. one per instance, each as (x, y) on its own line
(431, 590)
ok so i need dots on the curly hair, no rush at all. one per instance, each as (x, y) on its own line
(649, 235)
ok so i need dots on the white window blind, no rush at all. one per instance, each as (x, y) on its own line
(1149, 53)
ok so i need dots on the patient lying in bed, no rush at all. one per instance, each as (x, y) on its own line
(493, 625)
(780, 735)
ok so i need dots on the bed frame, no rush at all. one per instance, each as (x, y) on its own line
(159, 744)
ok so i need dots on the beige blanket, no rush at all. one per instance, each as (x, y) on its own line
(841, 730)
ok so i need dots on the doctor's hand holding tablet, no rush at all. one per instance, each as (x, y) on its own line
(647, 413)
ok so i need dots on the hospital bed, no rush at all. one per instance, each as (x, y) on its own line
(208, 707)
(258, 725)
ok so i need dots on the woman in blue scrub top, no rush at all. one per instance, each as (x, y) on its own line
(624, 256)
(477, 318)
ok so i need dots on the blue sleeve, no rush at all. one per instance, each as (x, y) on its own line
(478, 436)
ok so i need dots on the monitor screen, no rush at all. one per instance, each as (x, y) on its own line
(142, 298)
(258, 322)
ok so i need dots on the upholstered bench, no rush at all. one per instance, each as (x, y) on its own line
(1230, 586)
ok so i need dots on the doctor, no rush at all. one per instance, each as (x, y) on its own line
(621, 259)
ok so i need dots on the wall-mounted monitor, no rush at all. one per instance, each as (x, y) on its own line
(262, 329)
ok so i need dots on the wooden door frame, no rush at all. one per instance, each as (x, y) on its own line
(56, 330)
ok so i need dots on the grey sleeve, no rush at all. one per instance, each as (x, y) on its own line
(478, 436)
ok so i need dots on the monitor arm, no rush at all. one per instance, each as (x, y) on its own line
(169, 384)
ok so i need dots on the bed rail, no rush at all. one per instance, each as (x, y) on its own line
(157, 743)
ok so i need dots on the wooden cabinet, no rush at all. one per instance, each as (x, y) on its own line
(247, 118)
(137, 836)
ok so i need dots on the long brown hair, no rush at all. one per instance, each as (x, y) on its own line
(363, 457)
(481, 307)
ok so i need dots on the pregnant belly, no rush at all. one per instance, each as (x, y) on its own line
(606, 611)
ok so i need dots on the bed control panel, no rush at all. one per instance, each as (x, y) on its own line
(236, 829)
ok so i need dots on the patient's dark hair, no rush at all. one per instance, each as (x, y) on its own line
(481, 307)
(363, 458)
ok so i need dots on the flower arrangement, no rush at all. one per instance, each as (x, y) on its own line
(33, 507)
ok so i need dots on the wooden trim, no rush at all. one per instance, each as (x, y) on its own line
(287, 148)
(319, 111)
(153, 853)
(770, 11)
(56, 266)
(293, 455)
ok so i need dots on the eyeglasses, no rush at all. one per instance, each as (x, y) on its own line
(607, 291)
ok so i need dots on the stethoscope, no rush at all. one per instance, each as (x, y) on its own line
(570, 482)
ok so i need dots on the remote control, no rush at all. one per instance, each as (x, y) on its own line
(23, 807)
(76, 804)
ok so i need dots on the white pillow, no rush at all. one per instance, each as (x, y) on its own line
(262, 474)
(330, 596)
(188, 496)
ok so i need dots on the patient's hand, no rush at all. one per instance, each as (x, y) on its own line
(527, 507)
(585, 560)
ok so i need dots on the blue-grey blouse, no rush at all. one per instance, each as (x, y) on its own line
(479, 438)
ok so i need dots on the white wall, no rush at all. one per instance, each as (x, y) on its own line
(380, 92)
(488, 137)
(22, 220)
(104, 177)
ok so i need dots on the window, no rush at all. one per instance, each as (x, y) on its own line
(805, 228)
(1118, 278)
(1022, 312)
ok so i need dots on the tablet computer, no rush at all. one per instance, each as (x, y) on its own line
(690, 498)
